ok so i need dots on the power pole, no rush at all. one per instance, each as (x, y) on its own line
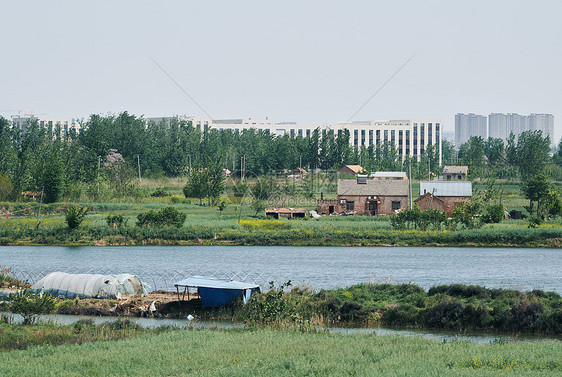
(410, 180)
(40, 203)
(138, 164)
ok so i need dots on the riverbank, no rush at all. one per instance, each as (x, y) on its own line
(240, 225)
(453, 307)
(269, 352)
(289, 233)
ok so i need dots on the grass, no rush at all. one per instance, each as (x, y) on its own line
(208, 226)
(266, 352)
(23, 337)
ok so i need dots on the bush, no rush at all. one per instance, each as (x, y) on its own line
(167, 216)
(159, 192)
(29, 305)
(495, 214)
(116, 221)
(75, 215)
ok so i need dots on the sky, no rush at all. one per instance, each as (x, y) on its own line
(313, 62)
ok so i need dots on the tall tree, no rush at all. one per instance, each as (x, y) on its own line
(532, 153)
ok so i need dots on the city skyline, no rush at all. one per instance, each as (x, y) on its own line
(317, 62)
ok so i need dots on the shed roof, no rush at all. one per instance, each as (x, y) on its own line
(355, 168)
(455, 170)
(286, 210)
(446, 188)
(212, 282)
(373, 187)
(388, 174)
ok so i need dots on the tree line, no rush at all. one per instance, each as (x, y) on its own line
(105, 157)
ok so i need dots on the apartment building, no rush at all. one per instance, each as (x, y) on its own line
(468, 125)
(66, 124)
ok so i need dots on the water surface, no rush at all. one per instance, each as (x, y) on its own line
(321, 267)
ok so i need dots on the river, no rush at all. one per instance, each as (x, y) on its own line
(320, 267)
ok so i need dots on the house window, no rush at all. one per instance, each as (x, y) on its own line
(459, 177)
(350, 206)
(395, 205)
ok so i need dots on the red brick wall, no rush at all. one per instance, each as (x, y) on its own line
(447, 203)
(361, 206)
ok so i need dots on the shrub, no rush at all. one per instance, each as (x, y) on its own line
(159, 192)
(116, 221)
(29, 305)
(75, 215)
(167, 216)
(495, 214)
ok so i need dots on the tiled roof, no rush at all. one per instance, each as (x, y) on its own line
(455, 170)
(373, 187)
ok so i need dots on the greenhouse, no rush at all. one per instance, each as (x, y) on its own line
(90, 285)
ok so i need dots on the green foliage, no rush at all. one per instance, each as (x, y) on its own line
(116, 221)
(167, 216)
(494, 213)
(75, 215)
(532, 153)
(466, 213)
(416, 219)
(259, 206)
(8, 279)
(158, 193)
(30, 305)
(6, 188)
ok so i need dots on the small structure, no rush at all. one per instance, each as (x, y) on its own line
(287, 213)
(90, 285)
(351, 169)
(298, 173)
(226, 172)
(391, 175)
(444, 196)
(455, 173)
(365, 196)
(217, 292)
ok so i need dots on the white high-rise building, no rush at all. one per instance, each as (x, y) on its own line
(468, 125)
(501, 125)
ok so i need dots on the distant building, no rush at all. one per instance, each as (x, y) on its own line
(392, 175)
(455, 173)
(367, 197)
(444, 196)
(502, 125)
(468, 125)
(410, 137)
(350, 169)
(52, 123)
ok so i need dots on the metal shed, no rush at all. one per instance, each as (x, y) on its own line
(217, 292)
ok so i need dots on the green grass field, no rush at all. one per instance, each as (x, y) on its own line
(265, 352)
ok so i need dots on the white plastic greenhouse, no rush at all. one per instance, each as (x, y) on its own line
(90, 286)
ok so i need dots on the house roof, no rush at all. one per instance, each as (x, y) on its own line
(373, 187)
(446, 188)
(286, 210)
(212, 282)
(355, 168)
(455, 170)
(388, 174)
(429, 194)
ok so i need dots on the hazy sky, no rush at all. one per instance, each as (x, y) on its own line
(304, 61)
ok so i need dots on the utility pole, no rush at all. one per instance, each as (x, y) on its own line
(138, 164)
(410, 180)
(189, 156)
(40, 203)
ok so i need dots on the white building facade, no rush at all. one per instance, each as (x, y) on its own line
(52, 123)
(468, 125)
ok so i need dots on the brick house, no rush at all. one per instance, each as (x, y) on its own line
(455, 173)
(444, 196)
(365, 196)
